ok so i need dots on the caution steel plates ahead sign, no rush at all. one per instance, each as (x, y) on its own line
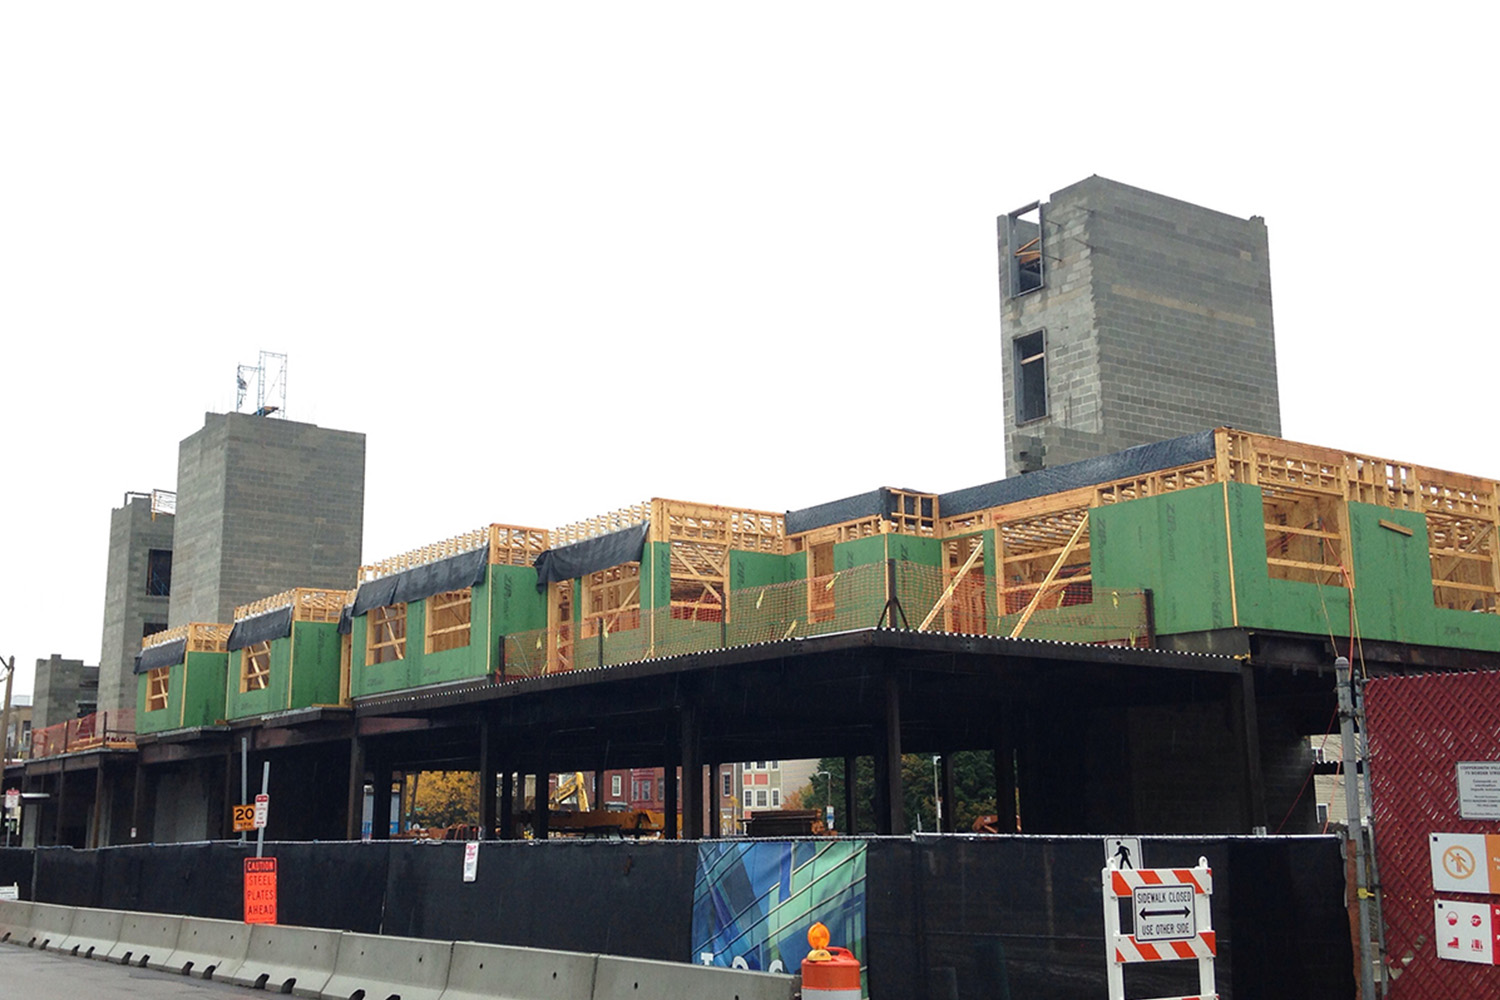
(260, 890)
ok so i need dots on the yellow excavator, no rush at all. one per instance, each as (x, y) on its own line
(568, 812)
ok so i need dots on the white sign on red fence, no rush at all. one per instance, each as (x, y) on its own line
(1466, 931)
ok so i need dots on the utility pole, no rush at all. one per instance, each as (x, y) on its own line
(1348, 712)
(10, 676)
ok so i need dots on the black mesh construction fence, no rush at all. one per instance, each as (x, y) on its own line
(958, 918)
(948, 918)
(16, 865)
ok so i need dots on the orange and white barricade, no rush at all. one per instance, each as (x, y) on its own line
(1171, 921)
(828, 973)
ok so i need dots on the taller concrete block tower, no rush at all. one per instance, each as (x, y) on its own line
(1129, 317)
(263, 505)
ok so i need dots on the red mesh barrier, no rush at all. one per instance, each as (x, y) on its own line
(1419, 728)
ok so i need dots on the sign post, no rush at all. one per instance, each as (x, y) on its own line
(1171, 920)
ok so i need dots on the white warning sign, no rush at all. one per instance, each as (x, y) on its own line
(1163, 913)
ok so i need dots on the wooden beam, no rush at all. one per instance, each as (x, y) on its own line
(1036, 598)
(942, 603)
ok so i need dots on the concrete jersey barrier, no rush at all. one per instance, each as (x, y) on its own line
(50, 924)
(93, 933)
(376, 967)
(500, 972)
(208, 949)
(15, 920)
(146, 940)
(330, 965)
(282, 959)
(636, 978)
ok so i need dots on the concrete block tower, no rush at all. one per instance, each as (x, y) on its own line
(1129, 317)
(137, 593)
(263, 505)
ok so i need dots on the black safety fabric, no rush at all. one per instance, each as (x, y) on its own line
(838, 511)
(275, 624)
(168, 654)
(1137, 461)
(569, 562)
(454, 573)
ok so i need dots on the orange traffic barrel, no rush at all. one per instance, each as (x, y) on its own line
(828, 973)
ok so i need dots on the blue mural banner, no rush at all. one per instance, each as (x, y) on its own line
(753, 902)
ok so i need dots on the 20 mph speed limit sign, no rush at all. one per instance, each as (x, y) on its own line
(244, 818)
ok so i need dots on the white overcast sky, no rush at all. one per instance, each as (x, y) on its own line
(553, 259)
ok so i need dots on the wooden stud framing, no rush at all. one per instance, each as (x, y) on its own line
(385, 634)
(158, 688)
(200, 637)
(449, 615)
(308, 604)
(255, 667)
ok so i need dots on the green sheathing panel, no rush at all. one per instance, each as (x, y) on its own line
(244, 704)
(759, 569)
(1173, 544)
(163, 718)
(1279, 605)
(315, 665)
(515, 605)
(195, 695)
(420, 668)
(203, 679)
(1393, 586)
(373, 678)
(919, 577)
(763, 595)
(859, 552)
(507, 602)
(656, 578)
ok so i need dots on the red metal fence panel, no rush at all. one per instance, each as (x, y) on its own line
(1419, 728)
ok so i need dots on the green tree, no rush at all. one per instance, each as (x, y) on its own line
(973, 789)
(444, 798)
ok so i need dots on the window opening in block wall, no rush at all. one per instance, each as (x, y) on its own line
(159, 573)
(157, 685)
(1031, 377)
(616, 782)
(385, 634)
(255, 667)
(1024, 251)
(448, 619)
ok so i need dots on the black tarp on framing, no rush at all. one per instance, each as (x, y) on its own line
(1137, 461)
(569, 562)
(168, 654)
(275, 624)
(466, 569)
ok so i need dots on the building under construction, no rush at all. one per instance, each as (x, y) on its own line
(1088, 620)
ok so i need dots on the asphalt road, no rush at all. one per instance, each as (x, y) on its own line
(37, 975)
